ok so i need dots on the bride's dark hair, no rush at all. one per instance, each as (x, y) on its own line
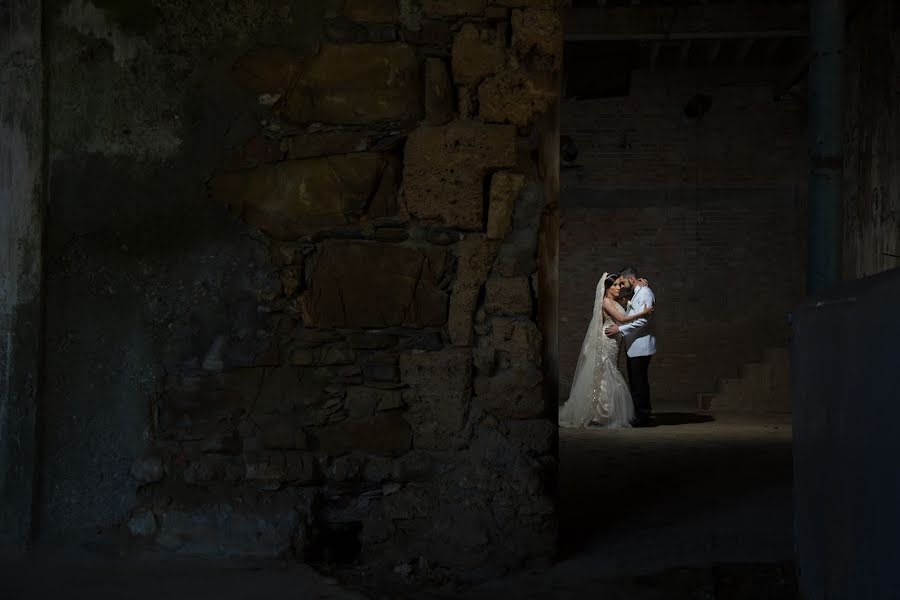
(610, 279)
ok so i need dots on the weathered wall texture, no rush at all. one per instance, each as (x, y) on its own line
(712, 213)
(872, 151)
(21, 217)
(292, 278)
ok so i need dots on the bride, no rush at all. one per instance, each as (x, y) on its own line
(599, 395)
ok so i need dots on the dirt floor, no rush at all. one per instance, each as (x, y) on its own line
(690, 509)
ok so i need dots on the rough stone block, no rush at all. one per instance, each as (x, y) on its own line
(324, 143)
(372, 11)
(514, 96)
(383, 433)
(372, 340)
(545, 4)
(518, 342)
(439, 101)
(413, 501)
(446, 167)
(330, 355)
(255, 151)
(534, 436)
(356, 84)
(220, 530)
(283, 433)
(505, 188)
(508, 296)
(476, 54)
(282, 388)
(142, 523)
(376, 528)
(385, 203)
(497, 13)
(295, 198)
(537, 36)
(514, 393)
(439, 395)
(195, 405)
(373, 285)
(291, 277)
(467, 102)
(206, 468)
(345, 468)
(381, 374)
(390, 400)
(485, 357)
(148, 469)
(267, 70)
(519, 250)
(453, 8)
(475, 255)
(432, 36)
(363, 401)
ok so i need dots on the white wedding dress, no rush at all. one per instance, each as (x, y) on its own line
(599, 395)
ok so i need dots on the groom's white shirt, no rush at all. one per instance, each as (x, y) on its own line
(639, 338)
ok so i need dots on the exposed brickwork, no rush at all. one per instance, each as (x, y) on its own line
(712, 213)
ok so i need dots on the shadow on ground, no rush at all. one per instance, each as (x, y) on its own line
(669, 419)
(687, 478)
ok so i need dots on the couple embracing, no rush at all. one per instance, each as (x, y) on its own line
(623, 309)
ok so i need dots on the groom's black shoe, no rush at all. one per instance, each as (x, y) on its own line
(642, 422)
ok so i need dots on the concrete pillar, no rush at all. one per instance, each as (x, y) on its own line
(22, 193)
(846, 489)
(826, 131)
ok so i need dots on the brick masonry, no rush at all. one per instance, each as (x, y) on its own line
(712, 213)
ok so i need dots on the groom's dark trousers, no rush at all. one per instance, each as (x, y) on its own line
(639, 382)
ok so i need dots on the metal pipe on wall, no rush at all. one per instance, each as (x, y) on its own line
(826, 132)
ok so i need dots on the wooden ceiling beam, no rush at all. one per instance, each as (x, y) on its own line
(772, 47)
(692, 22)
(654, 54)
(685, 52)
(744, 50)
(791, 76)
(714, 50)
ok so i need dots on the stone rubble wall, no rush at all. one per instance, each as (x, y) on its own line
(395, 403)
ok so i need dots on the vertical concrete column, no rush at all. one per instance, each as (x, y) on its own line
(22, 194)
(826, 131)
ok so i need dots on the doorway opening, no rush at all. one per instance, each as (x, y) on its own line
(684, 155)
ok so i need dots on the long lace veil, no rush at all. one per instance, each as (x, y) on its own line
(586, 374)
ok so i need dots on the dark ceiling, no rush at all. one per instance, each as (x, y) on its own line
(608, 39)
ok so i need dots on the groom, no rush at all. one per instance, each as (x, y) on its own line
(640, 343)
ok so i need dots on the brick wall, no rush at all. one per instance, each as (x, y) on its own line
(712, 213)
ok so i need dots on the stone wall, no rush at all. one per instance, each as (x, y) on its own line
(712, 212)
(872, 142)
(294, 281)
